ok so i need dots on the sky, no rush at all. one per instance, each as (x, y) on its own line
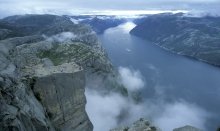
(11, 7)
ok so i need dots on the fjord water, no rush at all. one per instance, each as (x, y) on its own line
(169, 78)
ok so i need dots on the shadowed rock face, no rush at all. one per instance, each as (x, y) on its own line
(194, 37)
(43, 74)
(20, 110)
(44, 71)
(62, 95)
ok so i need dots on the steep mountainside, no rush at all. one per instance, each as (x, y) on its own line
(99, 23)
(45, 63)
(37, 25)
(198, 38)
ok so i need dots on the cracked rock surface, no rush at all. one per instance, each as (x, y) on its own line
(44, 62)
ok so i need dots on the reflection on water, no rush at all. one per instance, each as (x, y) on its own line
(127, 27)
(175, 84)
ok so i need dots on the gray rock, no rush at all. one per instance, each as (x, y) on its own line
(62, 94)
(42, 79)
(21, 111)
(35, 95)
(47, 62)
(187, 128)
(140, 125)
(1, 82)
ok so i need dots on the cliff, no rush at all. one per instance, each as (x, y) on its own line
(194, 37)
(46, 62)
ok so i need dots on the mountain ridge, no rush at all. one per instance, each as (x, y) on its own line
(193, 37)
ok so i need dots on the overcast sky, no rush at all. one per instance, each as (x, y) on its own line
(8, 7)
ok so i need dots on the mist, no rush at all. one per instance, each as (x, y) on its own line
(64, 36)
(113, 110)
(131, 79)
(109, 111)
(179, 114)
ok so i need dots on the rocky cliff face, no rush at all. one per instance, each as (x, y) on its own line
(194, 37)
(44, 71)
(20, 110)
(62, 95)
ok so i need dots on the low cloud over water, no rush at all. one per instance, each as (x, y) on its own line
(112, 110)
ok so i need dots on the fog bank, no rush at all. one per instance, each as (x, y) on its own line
(112, 110)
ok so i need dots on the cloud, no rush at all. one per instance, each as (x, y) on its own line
(103, 110)
(64, 36)
(109, 111)
(179, 114)
(70, 7)
(131, 79)
(114, 110)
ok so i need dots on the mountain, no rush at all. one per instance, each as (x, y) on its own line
(46, 61)
(196, 37)
(24, 25)
(99, 23)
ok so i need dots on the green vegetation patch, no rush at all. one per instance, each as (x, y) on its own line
(77, 52)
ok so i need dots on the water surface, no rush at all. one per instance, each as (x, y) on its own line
(166, 75)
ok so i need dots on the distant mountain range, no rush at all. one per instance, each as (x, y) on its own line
(195, 37)
(98, 23)
(23, 25)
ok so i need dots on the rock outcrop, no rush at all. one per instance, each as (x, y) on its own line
(62, 95)
(46, 61)
(20, 110)
(140, 125)
(197, 38)
(144, 125)
(44, 71)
